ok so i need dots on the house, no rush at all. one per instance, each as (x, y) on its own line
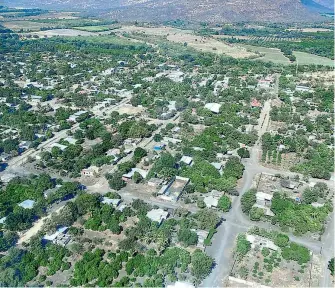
(176, 129)
(159, 147)
(180, 284)
(218, 166)
(214, 107)
(109, 201)
(173, 189)
(2, 220)
(187, 160)
(74, 117)
(289, 184)
(27, 204)
(261, 241)
(155, 182)
(60, 146)
(263, 199)
(71, 140)
(211, 201)
(25, 145)
(202, 235)
(157, 215)
(129, 175)
(301, 88)
(255, 103)
(59, 237)
(90, 171)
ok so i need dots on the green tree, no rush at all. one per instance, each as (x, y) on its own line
(201, 265)
(116, 182)
(248, 200)
(224, 203)
(243, 153)
(331, 266)
(187, 236)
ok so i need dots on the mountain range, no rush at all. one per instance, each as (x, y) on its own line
(192, 10)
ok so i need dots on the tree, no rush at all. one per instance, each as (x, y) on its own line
(248, 200)
(207, 218)
(158, 137)
(116, 182)
(201, 265)
(243, 153)
(331, 266)
(243, 245)
(224, 203)
(187, 236)
(137, 177)
(139, 153)
(256, 214)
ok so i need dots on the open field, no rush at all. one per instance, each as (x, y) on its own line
(306, 58)
(17, 25)
(270, 54)
(205, 44)
(92, 28)
(63, 32)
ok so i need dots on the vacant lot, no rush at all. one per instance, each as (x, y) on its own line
(306, 58)
(205, 44)
(310, 29)
(270, 54)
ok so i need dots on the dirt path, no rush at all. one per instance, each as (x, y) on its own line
(37, 226)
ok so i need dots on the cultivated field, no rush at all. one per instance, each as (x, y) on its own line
(63, 32)
(270, 54)
(306, 58)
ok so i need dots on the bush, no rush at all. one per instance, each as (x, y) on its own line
(281, 240)
(265, 252)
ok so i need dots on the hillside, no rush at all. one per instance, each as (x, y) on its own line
(195, 10)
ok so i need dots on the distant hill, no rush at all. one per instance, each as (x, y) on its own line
(192, 10)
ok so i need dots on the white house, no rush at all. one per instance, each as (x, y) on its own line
(157, 215)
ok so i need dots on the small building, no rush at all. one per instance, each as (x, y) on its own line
(214, 107)
(255, 103)
(218, 166)
(281, 147)
(129, 175)
(256, 240)
(60, 146)
(202, 235)
(71, 140)
(289, 184)
(263, 199)
(155, 182)
(157, 215)
(180, 284)
(132, 142)
(109, 201)
(121, 207)
(90, 171)
(27, 204)
(59, 237)
(7, 177)
(187, 160)
(74, 117)
(211, 201)
(302, 88)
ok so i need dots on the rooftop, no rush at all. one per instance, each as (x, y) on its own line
(214, 107)
(27, 204)
(157, 215)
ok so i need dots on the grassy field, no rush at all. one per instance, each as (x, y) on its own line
(270, 54)
(306, 58)
(92, 28)
(24, 25)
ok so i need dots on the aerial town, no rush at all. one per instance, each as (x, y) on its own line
(137, 155)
